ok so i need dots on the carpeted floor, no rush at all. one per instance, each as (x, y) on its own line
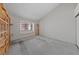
(43, 46)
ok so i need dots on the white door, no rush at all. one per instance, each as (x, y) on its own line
(76, 11)
(78, 31)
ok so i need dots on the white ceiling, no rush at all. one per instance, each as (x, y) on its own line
(33, 11)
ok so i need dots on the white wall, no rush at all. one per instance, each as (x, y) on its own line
(15, 29)
(60, 23)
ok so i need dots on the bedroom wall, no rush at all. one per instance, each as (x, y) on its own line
(15, 29)
(60, 23)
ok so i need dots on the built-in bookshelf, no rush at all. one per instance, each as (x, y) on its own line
(4, 30)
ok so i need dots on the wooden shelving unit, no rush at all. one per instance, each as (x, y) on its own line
(4, 30)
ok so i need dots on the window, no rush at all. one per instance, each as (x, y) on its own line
(26, 27)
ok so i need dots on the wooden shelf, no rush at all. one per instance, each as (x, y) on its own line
(2, 41)
(3, 21)
(4, 30)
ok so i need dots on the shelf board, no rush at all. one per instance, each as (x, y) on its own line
(2, 42)
(3, 21)
(3, 32)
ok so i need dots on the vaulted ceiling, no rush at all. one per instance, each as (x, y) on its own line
(32, 11)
